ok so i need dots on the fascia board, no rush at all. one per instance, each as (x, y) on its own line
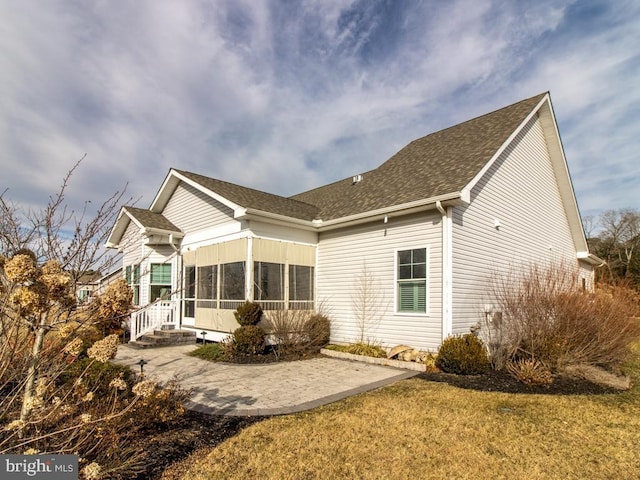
(591, 259)
(474, 181)
(274, 218)
(161, 231)
(452, 199)
(169, 185)
(164, 192)
(120, 226)
(561, 170)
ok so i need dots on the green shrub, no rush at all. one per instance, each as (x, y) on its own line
(249, 313)
(249, 339)
(318, 330)
(360, 348)
(214, 352)
(465, 355)
(96, 375)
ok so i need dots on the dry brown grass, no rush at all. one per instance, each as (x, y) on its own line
(419, 429)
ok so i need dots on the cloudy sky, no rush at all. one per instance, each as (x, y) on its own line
(284, 96)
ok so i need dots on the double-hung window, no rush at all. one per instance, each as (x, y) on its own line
(412, 280)
(160, 281)
(132, 277)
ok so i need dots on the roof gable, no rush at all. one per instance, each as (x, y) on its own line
(442, 166)
(437, 165)
(145, 220)
(238, 198)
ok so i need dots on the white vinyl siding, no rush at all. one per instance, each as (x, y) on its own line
(516, 217)
(343, 257)
(191, 210)
(131, 245)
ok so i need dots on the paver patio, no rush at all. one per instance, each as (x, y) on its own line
(264, 389)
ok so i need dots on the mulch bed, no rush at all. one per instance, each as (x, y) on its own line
(493, 381)
(191, 432)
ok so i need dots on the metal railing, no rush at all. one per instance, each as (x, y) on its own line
(159, 315)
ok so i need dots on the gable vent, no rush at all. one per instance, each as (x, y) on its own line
(356, 179)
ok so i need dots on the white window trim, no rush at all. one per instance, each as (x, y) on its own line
(427, 312)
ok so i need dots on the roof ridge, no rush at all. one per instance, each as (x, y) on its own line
(241, 186)
(332, 183)
(493, 112)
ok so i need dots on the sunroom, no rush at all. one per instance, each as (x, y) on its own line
(217, 278)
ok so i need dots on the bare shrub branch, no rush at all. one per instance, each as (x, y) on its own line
(543, 314)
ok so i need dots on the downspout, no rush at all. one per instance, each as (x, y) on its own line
(447, 269)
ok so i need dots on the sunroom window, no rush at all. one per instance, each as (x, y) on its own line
(189, 291)
(232, 281)
(207, 292)
(268, 285)
(300, 287)
(412, 280)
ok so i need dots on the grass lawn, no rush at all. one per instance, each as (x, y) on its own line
(427, 430)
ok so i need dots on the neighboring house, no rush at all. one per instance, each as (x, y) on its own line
(424, 232)
(86, 286)
(91, 284)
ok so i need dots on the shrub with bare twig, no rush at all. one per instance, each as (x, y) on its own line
(58, 394)
(544, 315)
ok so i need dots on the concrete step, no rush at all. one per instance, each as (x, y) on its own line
(174, 333)
(164, 338)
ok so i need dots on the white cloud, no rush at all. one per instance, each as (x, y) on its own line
(285, 97)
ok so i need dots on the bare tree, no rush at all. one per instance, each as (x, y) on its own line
(367, 302)
(41, 264)
(618, 242)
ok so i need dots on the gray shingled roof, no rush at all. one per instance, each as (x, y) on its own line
(255, 199)
(151, 219)
(438, 164)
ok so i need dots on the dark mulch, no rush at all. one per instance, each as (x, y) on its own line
(193, 431)
(271, 357)
(493, 381)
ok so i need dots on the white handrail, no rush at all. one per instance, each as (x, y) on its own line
(155, 316)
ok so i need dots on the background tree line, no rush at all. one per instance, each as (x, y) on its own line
(614, 236)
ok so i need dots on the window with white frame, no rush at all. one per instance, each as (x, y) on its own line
(160, 281)
(132, 277)
(412, 281)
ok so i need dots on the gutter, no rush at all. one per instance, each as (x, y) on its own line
(591, 259)
(457, 198)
